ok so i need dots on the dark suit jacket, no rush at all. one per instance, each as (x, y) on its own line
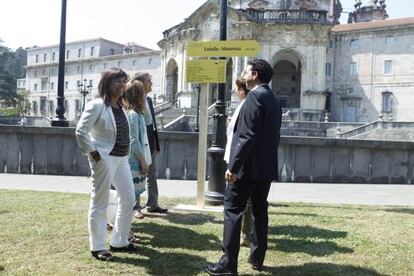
(152, 133)
(253, 154)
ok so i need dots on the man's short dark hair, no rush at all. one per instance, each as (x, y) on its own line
(263, 69)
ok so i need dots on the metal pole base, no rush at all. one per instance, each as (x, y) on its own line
(213, 198)
(216, 181)
(60, 123)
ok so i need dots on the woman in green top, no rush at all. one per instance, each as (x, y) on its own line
(140, 155)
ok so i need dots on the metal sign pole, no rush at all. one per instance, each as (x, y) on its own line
(202, 145)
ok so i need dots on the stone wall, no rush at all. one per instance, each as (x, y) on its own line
(35, 150)
(39, 150)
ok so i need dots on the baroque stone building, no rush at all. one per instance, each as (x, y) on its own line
(84, 62)
(356, 72)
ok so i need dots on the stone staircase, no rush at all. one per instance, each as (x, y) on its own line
(170, 115)
(381, 130)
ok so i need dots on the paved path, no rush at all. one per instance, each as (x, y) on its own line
(365, 194)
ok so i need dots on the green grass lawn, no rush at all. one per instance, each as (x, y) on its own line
(46, 234)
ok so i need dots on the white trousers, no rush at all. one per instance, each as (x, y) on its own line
(115, 170)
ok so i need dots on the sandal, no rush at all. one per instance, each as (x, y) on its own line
(133, 238)
(138, 214)
(102, 255)
(109, 226)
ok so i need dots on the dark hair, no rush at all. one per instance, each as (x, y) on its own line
(134, 96)
(263, 69)
(241, 84)
(104, 87)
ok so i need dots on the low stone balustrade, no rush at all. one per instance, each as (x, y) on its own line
(54, 151)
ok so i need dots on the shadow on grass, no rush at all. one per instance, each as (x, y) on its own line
(306, 232)
(190, 218)
(401, 210)
(1, 268)
(278, 205)
(164, 263)
(292, 214)
(167, 236)
(323, 248)
(3, 212)
(324, 268)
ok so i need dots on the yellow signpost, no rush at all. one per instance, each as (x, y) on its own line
(226, 48)
(206, 71)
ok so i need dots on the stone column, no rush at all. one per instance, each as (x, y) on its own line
(162, 74)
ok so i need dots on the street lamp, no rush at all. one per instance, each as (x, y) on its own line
(60, 120)
(216, 183)
(84, 89)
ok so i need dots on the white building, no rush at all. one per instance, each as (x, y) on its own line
(358, 71)
(372, 71)
(84, 60)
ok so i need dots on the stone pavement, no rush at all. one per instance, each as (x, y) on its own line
(331, 193)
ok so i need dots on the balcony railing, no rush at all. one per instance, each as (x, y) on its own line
(288, 16)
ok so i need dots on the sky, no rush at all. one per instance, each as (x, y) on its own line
(27, 23)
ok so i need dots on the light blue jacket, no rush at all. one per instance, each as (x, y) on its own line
(137, 134)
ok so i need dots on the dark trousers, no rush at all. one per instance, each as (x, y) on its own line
(235, 198)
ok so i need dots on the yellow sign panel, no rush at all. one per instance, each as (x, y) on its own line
(229, 48)
(206, 71)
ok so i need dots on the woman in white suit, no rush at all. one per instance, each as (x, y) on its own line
(103, 135)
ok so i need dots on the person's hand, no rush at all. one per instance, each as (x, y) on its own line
(230, 177)
(144, 168)
(95, 155)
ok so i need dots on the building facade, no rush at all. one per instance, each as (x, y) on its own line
(356, 72)
(360, 71)
(84, 62)
(372, 73)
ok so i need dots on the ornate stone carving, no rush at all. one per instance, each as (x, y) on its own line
(288, 40)
(307, 4)
(259, 4)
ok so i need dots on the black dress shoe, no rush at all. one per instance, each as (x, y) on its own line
(218, 270)
(129, 248)
(255, 265)
(157, 209)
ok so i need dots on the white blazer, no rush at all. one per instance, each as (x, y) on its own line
(96, 129)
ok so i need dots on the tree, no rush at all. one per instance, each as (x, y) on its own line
(11, 68)
(23, 103)
(8, 89)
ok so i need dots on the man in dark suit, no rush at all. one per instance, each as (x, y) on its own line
(251, 169)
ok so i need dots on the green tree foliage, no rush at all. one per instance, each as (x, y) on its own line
(11, 68)
(8, 91)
